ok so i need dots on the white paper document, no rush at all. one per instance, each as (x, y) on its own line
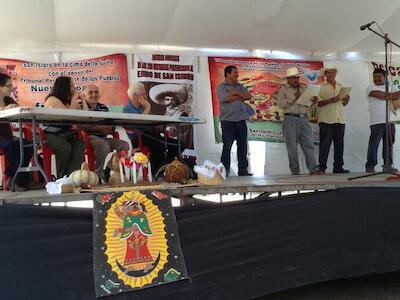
(344, 91)
(311, 91)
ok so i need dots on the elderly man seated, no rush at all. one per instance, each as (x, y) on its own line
(101, 144)
(152, 138)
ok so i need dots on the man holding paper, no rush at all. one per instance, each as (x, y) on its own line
(331, 99)
(296, 128)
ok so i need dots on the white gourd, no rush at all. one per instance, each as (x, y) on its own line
(84, 176)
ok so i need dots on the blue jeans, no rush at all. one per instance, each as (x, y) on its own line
(232, 131)
(378, 133)
(11, 146)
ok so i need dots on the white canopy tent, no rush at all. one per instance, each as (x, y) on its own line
(62, 30)
(309, 27)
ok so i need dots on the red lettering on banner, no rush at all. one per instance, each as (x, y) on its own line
(145, 74)
(172, 57)
(186, 76)
(161, 67)
(165, 57)
(168, 76)
(157, 57)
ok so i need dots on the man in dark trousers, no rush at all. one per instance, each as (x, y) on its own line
(233, 116)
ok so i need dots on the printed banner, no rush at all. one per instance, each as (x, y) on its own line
(136, 242)
(33, 81)
(263, 78)
(169, 81)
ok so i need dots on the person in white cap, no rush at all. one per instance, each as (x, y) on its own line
(296, 128)
(331, 120)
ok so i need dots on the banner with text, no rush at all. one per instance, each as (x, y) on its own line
(263, 78)
(169, 81)
(33, 81)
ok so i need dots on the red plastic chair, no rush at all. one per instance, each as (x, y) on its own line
(89, 153)
(3, 164)
(141, 147)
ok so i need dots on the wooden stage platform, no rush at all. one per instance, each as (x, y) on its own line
(241, 185)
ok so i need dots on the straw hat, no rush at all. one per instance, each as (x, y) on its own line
(292, 72)
(168, 90)
(327, 67)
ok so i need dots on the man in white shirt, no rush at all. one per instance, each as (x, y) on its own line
(377, 108)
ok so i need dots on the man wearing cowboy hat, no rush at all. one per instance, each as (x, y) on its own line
(233, 116)
(331, 120)
(295, 126)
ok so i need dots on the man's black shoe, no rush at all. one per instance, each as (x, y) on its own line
(245, 174)
(340, 171)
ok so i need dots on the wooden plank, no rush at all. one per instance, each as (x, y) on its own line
(264, 184)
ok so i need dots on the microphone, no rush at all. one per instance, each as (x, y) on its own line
(363, 27)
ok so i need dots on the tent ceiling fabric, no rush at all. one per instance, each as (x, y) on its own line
(25, 21)
(294, 25)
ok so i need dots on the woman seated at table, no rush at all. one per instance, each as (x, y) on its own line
(10, 144)
(69, 149)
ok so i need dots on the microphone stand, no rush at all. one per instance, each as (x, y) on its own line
(387, 168)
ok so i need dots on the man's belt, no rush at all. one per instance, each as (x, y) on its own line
(296, 115)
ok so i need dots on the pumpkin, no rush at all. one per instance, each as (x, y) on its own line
(175, 172)
(84, 177)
